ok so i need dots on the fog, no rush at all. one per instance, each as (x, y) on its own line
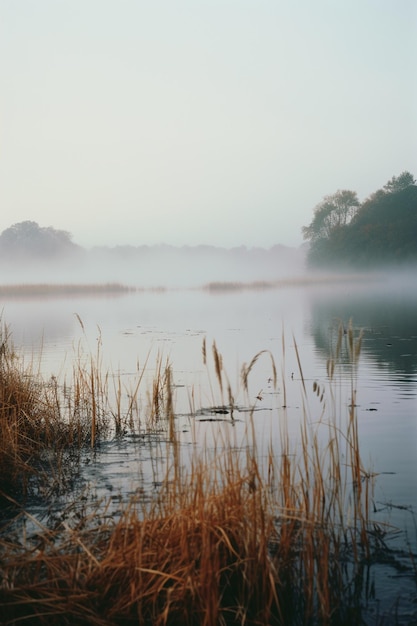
(157, 266)
(195, 266)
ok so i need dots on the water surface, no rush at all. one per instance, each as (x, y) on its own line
(296, 325)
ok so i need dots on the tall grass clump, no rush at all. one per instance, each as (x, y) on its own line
(46, 424)
(41, 421)
(197, 554)
(28, 419)
(235, 534)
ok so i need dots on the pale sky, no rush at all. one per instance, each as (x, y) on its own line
(220, 122)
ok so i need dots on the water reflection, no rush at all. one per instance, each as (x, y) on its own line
(386, 384)
(388, 320)
(243, 323)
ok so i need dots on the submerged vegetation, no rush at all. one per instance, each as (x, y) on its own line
(232, 534)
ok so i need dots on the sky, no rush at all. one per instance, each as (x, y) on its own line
(200, 122)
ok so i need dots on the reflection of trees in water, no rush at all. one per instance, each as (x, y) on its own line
(388, 320)
(333, 336)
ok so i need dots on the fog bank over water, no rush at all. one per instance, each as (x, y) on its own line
(165, 266)
(158, 266)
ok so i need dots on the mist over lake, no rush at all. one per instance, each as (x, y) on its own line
(242, 321)
(152, 266)
(298, 322)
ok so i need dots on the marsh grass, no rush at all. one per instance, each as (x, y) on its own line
(76, 289)
(296, 281)
(234, 535)
(44, 425)
(28, 418)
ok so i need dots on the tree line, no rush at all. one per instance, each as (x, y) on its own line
(381, 231)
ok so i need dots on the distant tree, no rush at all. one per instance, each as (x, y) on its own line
(333, 212)
(382, 233)
(398, 183)
(29, 239)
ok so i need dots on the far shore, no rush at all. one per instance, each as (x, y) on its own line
(47, 289)
(115, 288)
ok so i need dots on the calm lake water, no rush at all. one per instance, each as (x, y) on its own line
(135, 326)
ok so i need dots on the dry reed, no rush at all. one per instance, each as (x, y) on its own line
(48, 289)
(44, 424)
(233, 536)
(29, 422)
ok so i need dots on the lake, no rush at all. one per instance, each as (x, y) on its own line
(298, 326)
